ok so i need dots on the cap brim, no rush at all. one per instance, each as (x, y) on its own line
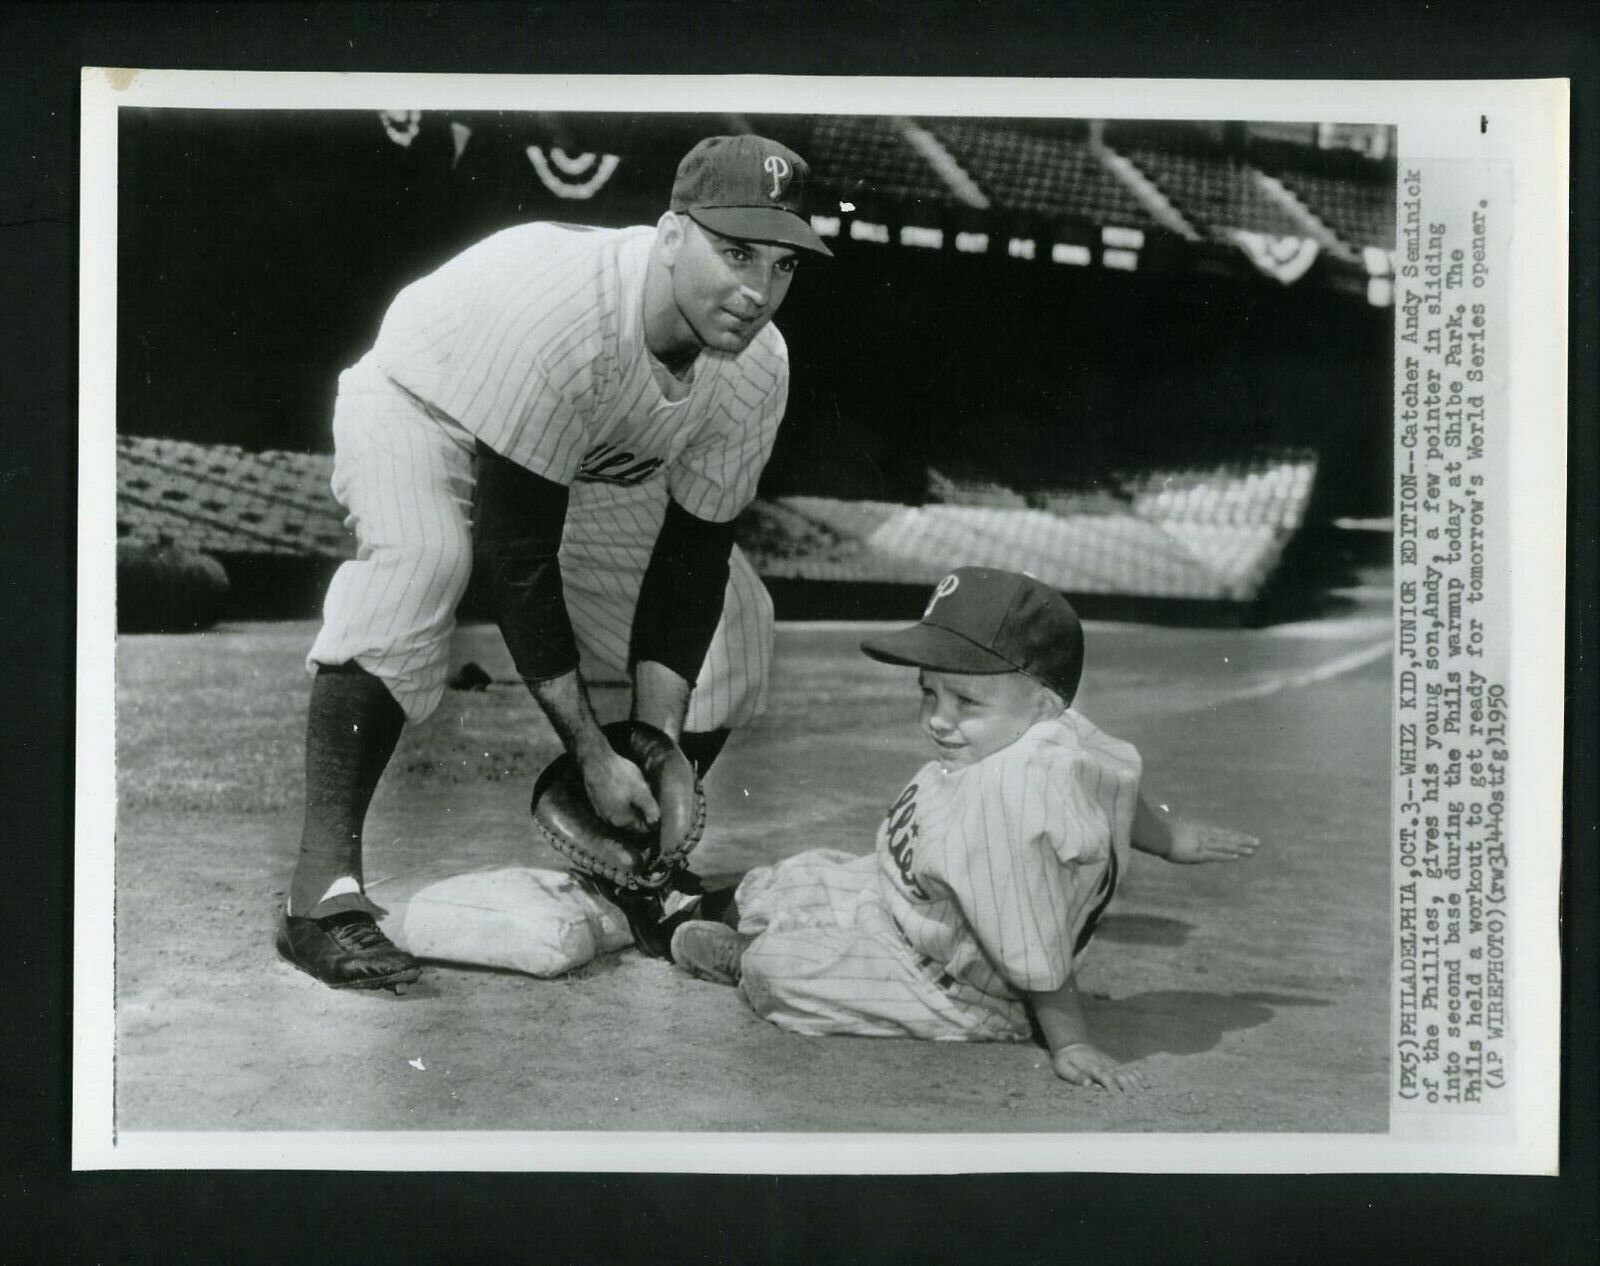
(761, 224)
(929, 646)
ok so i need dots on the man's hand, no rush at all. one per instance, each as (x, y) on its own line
(618, 791)
(1195, 843)
(627, 855)
(1085, 1064)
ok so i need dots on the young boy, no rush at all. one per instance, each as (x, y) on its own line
(992, 868)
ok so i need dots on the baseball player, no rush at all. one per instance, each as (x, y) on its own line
(992, 867)
(595, 407)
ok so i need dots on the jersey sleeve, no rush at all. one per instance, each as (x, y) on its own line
(519, 521)
(716, 475)
(1039, 863)
(682, 593)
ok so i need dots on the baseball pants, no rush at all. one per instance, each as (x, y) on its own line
(405, 477)
(828, 959)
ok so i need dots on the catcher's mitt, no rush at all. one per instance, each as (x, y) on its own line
(636, 860)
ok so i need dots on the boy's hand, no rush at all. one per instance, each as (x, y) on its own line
(1085, 1064)
(1194, 842)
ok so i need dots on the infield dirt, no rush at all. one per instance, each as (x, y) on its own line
(1255, 995)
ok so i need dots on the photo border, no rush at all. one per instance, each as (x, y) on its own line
(606, 1217)
(1433, 118)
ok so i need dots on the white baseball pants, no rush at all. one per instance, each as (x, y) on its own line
(405, 476)
(828, 959)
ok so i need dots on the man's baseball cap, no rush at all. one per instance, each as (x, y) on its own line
(983, 621)
(749, 188)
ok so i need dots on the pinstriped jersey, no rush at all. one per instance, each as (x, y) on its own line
(533, 341)
(999, 871)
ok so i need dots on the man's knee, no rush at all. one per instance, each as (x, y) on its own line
(448, 553)
(345, 668)
(440, 568)
(751, 604)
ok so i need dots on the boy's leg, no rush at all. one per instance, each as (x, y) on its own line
(823, 888)
(848, 981)
(710, 951)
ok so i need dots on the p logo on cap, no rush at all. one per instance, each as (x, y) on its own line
(748, 188)
(945, 588)
(777, 166)
(981, 620)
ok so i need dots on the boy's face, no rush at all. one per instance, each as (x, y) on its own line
(971, 716)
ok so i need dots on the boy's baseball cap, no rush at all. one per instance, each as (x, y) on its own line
(749, 188)
(983, 621)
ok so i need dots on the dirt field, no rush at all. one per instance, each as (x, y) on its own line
(1254, 995)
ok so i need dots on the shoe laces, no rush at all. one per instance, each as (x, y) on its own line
(724, 947)
(360, 933)
(729, 955)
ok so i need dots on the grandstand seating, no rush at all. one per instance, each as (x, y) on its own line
(856, 156)
(1271, 490)
(223, 500)
(1213, 193)
(972, 492)
(1043, 175)
(1055, 174)
(1215, 533)
(1360, 212)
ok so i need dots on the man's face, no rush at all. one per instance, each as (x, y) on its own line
(970, 716)
(725, 290)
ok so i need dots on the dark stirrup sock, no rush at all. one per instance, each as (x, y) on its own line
(719, 906)
(351, 731)
(702, 747)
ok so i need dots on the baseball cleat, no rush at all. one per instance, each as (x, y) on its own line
(643, 908)
(710, 951)
(346, 951)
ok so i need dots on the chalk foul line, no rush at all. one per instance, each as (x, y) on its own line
(1326, 671)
